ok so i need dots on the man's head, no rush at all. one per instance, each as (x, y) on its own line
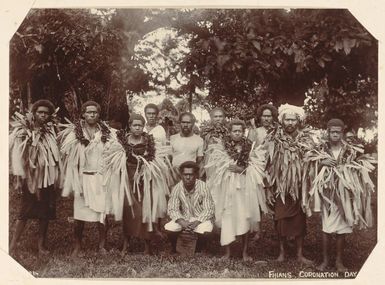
(189, 171)
(136, 124)
(237, 129)
(187, 121)
(42, 110)
(91, 112)
(266, 114)
(350, 136)
(151, 112)
(335, 130)
(217, 115)
(290, 122)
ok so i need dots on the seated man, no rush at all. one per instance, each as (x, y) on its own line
(191, 206)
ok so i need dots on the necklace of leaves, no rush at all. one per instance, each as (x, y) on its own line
(240, 156)
(83, 140)
(147, 140)
(215, 130)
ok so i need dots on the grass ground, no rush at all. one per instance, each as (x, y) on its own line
(162, 265)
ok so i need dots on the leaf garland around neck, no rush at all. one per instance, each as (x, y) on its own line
(83, 140)
(302, 142)
(215, 130)
(28, 122)
(241, 157)
(148, 141)
(348, 153)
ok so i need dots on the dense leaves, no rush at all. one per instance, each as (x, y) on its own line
(73, 55)
(255, 56)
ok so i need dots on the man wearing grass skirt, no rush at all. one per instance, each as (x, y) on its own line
(35, 162)
(237, 184)
(340, 189)
(286, 146)
(82, 145)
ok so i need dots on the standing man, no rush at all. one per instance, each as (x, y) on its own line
(35, 162)
(186, 146)
(267, 116)
(285, 147)
(237, 185)
(82, 146)
(343, 188)
(191, 206)
(212, 133)
(151, 112)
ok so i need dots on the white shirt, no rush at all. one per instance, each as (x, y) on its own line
(185, 148)
(159, 134)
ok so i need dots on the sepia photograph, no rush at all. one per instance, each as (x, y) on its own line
(192, 143)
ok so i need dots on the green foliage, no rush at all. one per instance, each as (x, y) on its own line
(356, 105)
(76, 55)
(233, 53)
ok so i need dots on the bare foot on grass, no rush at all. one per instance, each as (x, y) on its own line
(304, 261)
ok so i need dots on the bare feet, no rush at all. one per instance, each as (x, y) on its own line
(102, 250)
(323, 266)
(340, 266)
(256, 237)
(281, 257)
(43, 251)
(246, 257)
(304, 261)
(227, 253)
(77, 252)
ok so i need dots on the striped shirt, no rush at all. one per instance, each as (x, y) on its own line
(197, 203)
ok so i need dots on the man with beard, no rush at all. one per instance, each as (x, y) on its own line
(186, 146)
(267, 116)
(35, 162)
(151, 112)
(82, 146)
(285, 147)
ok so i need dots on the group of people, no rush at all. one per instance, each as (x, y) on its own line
(219, 179)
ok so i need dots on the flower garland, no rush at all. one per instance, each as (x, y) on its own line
(215, 130)
(83, 140)
(240, 156)
(148, 141)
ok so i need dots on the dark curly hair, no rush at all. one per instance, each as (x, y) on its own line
(189, 164)
(236, 122)
(151, 106)
(273, 110)
(43, 103)
(90, 103)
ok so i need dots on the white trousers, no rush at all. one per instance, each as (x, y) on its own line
(206, 226)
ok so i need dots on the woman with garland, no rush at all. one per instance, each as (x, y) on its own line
(338, 186)
(82, 145)
(35, 161)
(143, 182)
(238, 173)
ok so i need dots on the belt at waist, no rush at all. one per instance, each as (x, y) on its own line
(89, 172)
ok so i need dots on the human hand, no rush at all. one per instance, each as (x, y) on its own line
(329, 162)
(193, 225)
(270, 197)
(183, 223)
(235, 168)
